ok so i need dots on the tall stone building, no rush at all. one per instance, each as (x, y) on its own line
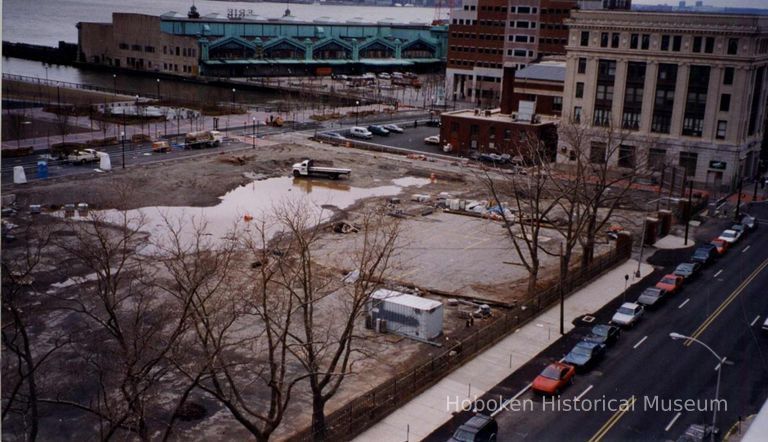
(688, 90)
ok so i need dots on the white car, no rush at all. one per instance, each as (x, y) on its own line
(730, 236)
(393, 128)
(434, 139)
(361, 132)
(384, 76)
(628, 314)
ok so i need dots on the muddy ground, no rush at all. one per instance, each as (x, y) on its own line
(429, 240)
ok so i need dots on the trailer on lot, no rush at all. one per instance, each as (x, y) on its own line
(401, 313)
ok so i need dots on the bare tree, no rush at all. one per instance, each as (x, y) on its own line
(532, 200)
(596, 188)
(24, 353)
(324, 348)
(127, 330)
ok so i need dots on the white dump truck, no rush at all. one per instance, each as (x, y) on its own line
(207, 138)
(308, 168)
(83, 156)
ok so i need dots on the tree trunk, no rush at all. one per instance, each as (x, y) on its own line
(318, 418)
(533, 276)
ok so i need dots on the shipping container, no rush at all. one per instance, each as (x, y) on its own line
(406, 314)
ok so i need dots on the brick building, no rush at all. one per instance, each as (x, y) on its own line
(529, 113)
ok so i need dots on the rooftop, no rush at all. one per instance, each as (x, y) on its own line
(405, 299)
(496, 116)
(545, 70)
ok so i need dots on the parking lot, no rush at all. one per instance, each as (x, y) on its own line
(412, 138)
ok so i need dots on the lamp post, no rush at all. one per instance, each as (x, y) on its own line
(122, 141)
(114, 84)
(357, 111)
(254, 132)
(721, 362)
(158, 89)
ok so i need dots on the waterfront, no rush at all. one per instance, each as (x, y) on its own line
(46, 22)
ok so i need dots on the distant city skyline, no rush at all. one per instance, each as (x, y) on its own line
(719, 3)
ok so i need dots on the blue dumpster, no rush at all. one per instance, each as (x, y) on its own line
(42, 169)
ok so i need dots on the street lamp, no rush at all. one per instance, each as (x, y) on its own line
(158, 88)
(122, 141)
(114, 84)
(357, 111)
(254, 132)
(721, 362)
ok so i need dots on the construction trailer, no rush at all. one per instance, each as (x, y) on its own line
(401, 313)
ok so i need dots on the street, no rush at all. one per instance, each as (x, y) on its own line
(723, 307)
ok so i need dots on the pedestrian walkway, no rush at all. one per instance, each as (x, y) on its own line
(428, 411)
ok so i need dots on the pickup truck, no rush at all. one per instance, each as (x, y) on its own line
(83, 156)
(308, 168)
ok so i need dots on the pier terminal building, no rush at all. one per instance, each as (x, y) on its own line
(245, 46)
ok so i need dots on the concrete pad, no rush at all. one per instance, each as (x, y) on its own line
(673, 242)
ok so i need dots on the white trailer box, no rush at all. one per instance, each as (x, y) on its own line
(406, 314)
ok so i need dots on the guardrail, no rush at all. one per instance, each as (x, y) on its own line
(367, 409)
(70, 85)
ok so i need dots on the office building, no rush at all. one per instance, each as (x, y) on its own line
(686, 90)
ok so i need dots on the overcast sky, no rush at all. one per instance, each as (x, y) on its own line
(736, 3)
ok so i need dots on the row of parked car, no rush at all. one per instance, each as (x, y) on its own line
(630, 312)
(369, 132)
(593, 347)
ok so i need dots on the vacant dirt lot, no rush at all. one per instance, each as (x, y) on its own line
(448, 253)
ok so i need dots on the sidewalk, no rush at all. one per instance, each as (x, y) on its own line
(428, 411)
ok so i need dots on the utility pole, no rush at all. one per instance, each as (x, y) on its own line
(688, 215)
(738, 203)
(562, 292)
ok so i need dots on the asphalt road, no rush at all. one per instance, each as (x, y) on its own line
(724, 307)
(136, 154)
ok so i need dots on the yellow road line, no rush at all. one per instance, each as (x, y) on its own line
(628, 405)
(704, 325)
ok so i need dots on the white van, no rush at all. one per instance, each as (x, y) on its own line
(361, 132)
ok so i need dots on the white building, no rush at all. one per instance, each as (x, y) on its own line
(694, 86)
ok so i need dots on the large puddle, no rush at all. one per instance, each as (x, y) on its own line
(242, 208)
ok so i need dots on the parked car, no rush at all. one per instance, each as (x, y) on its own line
(652, 297)
(478, 428)
(554, 378)
(384, 76)
(628, 314)
(741, 228)
(584, 355)
(433, 123)
(394, 128)
(696, 433)
(378, 130)
(432, 139)
(361, 132)
(749, 222)
(720, 246)
(671, 283)
(604, 334)
(704, 254)
(730, 236)
(334, 135)
(687, 269)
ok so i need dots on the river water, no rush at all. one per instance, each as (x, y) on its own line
(46, 22)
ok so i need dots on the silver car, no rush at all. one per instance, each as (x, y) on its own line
(628, 314)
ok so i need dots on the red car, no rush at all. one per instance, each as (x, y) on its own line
(671, 283)
(554, 378)
(721, 245)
